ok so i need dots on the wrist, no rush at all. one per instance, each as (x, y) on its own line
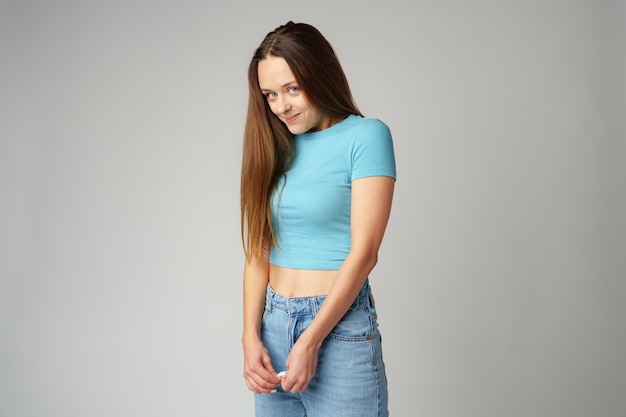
(310, 340)
(250, 337)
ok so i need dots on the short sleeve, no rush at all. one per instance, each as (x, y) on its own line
(372, 154)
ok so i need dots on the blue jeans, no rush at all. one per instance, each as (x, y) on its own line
(350, 378)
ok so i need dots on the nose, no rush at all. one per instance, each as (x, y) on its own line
(283, 104)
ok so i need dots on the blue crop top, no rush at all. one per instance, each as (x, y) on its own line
(311, 214)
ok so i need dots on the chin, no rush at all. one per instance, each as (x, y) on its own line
(295, 130)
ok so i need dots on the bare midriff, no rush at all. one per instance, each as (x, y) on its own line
(290, 282)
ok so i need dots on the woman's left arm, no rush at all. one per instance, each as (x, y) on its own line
(371, 205)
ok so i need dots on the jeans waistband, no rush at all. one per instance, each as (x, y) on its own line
(311, 305)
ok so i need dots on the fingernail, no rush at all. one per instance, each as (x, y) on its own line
(271, 392)
(281, 374)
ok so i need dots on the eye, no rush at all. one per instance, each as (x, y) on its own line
(293, 90)
(270, 95)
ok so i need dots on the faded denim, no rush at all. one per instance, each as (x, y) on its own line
(350, 378)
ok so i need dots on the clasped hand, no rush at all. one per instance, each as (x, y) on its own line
(261, 377)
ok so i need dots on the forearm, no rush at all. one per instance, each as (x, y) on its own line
(345, 288)
(258, 370)
(255, 279)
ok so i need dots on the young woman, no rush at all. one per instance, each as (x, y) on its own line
(316, 188)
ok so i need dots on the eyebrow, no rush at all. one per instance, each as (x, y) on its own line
(282, 86)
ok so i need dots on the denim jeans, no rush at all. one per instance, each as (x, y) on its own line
(350, 378)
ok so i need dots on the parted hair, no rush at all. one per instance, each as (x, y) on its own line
(268, 145)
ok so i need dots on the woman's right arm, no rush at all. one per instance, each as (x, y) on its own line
(258, 370)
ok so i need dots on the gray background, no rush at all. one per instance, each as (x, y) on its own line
(500, 285)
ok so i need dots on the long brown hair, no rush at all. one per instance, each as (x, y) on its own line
(268, 144)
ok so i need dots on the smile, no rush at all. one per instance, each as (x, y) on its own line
(292, 118)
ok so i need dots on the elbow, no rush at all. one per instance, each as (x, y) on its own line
(366, 258)
(371, 260)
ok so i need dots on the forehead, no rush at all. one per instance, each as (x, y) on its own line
(274, 72)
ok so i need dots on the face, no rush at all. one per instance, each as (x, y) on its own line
(285, 98)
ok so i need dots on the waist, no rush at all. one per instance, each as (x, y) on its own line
(311, 304)
(291, 282)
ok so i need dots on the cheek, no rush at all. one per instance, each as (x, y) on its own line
(272, 106)
(303, 104)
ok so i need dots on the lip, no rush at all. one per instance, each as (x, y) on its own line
(292, 118)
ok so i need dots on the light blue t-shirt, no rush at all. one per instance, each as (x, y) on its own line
(311, 216)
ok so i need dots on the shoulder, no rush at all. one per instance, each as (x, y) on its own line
(355, 120)
(372, 151)
(371, 135)
(367, 129)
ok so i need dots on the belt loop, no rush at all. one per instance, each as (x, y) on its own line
(371, 304)
(268, 299)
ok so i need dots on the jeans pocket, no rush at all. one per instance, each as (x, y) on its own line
(355, 326)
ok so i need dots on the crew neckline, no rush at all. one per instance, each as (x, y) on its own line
(328, 130)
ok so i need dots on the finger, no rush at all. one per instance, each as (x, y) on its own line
(299, 387)
(290, 385)
(270, 375)
(267, 364)
(296, 389)
(295, 385)
(257, 388)
(260, 378)
(260, 385)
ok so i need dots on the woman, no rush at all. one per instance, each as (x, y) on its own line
(316, 189)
